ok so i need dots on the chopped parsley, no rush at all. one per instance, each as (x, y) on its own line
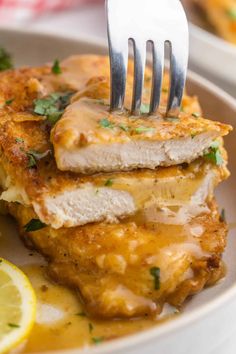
(8, 102)
(19, 140)
(232, 13)
(145, 108)
(81, 314)
(13, 325)
(90, 325)
(31, 161)
(140, 130)
(56, 69)
(155, 273)
(34, 225)
(124, 127)
(97, 340)
(52, 106)
(108, 183)
(193, 135)
(165, 90)
(33, 156)
(172, 119)
(214, 154)
(196, 114)
(222, 216)
(106, 123)
(5, 60)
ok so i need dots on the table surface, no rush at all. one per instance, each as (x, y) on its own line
(89, 21)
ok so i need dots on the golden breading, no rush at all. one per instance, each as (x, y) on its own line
(131, 269)
(222, 15)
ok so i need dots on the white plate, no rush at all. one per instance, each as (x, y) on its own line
(210, 317)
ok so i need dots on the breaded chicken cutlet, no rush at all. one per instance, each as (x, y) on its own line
(29, 173)
(132, 268)
(130, 228)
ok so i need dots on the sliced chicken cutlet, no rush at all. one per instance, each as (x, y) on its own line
(29, 174)
(131, 269)
(89, 138)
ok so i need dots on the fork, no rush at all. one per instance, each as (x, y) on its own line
(143, 21)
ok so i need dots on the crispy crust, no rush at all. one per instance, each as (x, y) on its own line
(110, 264)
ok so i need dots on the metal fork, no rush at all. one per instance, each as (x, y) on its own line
(142, 21)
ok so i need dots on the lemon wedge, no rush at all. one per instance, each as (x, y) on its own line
(17, 306)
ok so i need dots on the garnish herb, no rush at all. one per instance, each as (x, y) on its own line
(105, 123)
(222, 216)
(90, 325)
(81, 314)
(8, 102)
(5, 60)
(56, 69)
(232, 13)
(193, 135)
(155, 273)
(31, 161)
(140, 130)
(196, 114)
(124, 127)
(108, 183)
(33, 156)
(52, 106)
(19, 140)
(145, 108)
(34, 225)
(13, 325)
(214, 154)
(172, 119)
(165, 90)
(97, 340)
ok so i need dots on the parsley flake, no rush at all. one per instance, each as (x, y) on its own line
(155, 273)
(172, 119)
(106, 123)
(19, 140)
(90, 325)
(5, 60)
(124, 127)
(34, 225)
(8, 102)
(56, 69)
(196, 114)
(145, 108)
(214, 154)
(141, 130)
(33, 156)
(108, 183)
(13, 325)
(97, 340)
(31, 161)
(52, 106)
(81, 314)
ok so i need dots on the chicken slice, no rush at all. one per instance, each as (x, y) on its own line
(89, 138)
